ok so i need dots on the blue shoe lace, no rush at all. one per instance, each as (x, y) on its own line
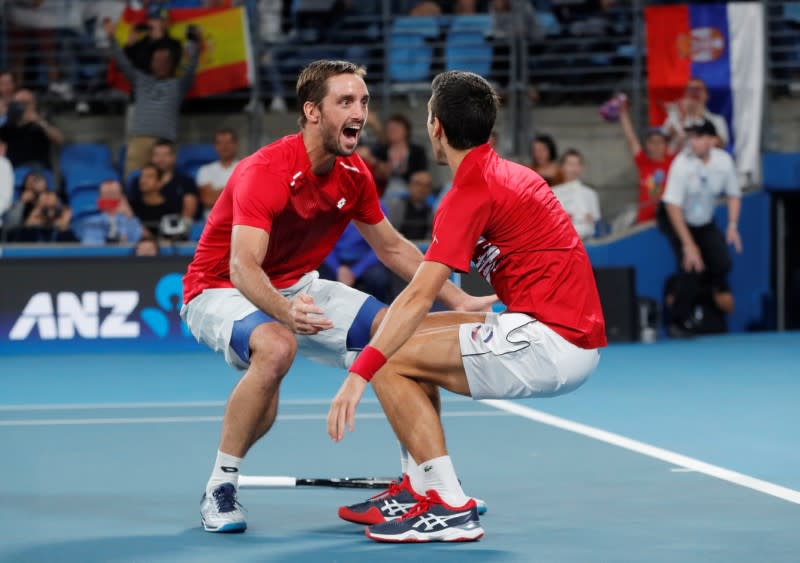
(225, 498)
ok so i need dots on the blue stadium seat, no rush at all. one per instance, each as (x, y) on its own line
(87, 178)
(83, 203)
(781, 171)
(85, 154)
(548, 22)
(410, 53)
(193, 155)
(467, 46)
(196, 230)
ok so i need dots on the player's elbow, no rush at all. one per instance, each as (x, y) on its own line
(238, 269)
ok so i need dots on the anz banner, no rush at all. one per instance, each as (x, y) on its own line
(92, 305)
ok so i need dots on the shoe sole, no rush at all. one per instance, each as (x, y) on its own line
(230, 528)
(412, 536)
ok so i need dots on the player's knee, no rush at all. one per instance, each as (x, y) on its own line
(273, 347)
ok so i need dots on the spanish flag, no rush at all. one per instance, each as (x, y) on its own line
(226, 62)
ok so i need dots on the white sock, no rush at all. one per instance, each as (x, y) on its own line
(403, 460)
(415, 477)
(410, 468)
(226, 470)
(440, 475)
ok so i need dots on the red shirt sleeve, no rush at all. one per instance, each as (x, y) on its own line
(459, 223)
(368, 209)
(641, 159)
(259, 195)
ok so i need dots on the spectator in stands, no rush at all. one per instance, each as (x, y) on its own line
(579, 200)
(33, 185)
(8, 87)
(28, 136)
(49, 221)
(158, 97)
(652, 163)
(413, 216)
(150, 203)
(353, 262)
(147, 247)
(178, 191)
(36, 27)
(147, 37)
(114, 221)
(398, 158)
(696, 179)
(544, 159)
(6, 183)
(507, 24)
(212, 177)
(691, 110)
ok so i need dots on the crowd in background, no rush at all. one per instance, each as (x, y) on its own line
(149, 198)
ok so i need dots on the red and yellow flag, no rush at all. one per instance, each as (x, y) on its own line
(226, 62)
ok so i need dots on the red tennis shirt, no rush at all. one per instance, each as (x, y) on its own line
(274, 189)
(504, 217)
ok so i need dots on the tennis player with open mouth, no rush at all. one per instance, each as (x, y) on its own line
(252, 292)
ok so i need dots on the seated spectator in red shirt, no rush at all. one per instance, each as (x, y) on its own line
(653, 164)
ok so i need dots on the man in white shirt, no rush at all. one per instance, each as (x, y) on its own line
(212, 177)
(578, 200)
(696, 179)
(6, 183)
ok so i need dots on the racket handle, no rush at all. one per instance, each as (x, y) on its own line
(266, 482)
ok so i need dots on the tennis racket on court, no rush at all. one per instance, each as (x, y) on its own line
(283, 482)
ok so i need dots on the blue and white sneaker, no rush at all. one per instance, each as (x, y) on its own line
(221, 512)
(431, 520)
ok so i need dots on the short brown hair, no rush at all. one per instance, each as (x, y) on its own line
(312, 84)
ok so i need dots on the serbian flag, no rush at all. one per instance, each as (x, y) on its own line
(722, 44)
(226, 62)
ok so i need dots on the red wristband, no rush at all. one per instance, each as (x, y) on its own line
(369, 361)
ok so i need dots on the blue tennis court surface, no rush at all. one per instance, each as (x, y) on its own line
(105, 458)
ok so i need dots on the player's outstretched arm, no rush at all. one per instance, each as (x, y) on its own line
(248, 249)
(401, 321)
(403, 257)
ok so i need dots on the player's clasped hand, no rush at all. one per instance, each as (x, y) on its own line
(305, 317)
(343, 406)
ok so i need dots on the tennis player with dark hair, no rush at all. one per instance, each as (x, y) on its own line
(252, 291)
(505, 218)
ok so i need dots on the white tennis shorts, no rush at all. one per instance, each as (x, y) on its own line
(212, 315)
(513, 356)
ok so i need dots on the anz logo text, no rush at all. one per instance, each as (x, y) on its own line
(66, 315)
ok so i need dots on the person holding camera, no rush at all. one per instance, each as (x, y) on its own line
(150, 35)
(28, 136)
(49, 221)
(158, 95)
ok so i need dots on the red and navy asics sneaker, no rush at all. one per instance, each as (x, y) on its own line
(383, 507)
(431, 520)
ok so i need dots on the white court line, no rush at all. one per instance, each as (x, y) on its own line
(646, 449)
(175, 405)
(189, 419)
